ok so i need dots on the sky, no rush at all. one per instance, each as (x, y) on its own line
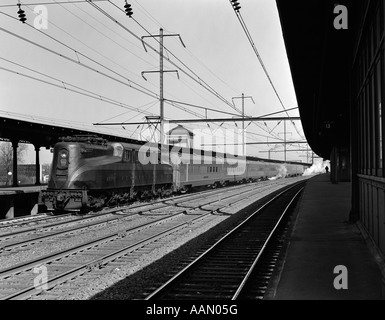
(102, 57)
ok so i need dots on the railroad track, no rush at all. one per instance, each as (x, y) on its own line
(28, 219)
(223, 271)
(49, 219)
(73, 224)
(17, 282)
(71, 263)
(74, 262)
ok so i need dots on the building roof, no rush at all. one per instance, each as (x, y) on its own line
(46, 132)
(179, 129)
(320, 58)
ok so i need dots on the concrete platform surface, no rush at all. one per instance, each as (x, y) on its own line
(322, 240)
(21, 189)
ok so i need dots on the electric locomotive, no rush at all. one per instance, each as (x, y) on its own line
(90, 172)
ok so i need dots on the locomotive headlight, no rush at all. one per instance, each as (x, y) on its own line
(63, 158)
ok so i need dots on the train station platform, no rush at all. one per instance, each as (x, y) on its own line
(328, 257)
(19, 201)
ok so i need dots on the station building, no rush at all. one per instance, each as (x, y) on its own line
(337, 60)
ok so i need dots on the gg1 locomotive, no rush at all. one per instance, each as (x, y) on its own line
(89, 172)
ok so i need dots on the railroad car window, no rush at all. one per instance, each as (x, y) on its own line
(127, 155)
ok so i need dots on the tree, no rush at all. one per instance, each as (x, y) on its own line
(6, 160)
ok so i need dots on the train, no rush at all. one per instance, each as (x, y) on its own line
(89, 172)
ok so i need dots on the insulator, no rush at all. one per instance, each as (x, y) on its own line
(236, 5)
(128, 9)
(21, 14)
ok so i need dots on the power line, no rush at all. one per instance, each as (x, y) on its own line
(200, 107)
(136, 36)
(199, 80)
(155, 50)
(184, 109)
(65, 85)
(49, 3)
(99, 72)
(150, 93)
(100, 32)
(249, 37)
(78, 62)
(148, 14)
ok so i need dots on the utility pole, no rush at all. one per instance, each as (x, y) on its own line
(161, 138)
(284, 137)
(284, 129)
(161, 72)
(243, 118)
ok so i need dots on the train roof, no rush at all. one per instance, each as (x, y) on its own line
(94, 139)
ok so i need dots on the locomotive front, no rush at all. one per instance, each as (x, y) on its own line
(66, 188)
(59, 194)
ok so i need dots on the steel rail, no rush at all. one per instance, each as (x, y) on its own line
(29, 264)
(27, 292)
(92, 244)
(262, 250)
(78, 228)
(159, 291)
(15, 222)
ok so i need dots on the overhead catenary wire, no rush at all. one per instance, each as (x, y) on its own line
(141, 7)
(154, 49)
(199, 80)
(129, 82)
(173, 103)
(51, 3)
(92, 95)
(102, 33)
(249, 37)
(80, 63)
(66, 86)
(79, 60)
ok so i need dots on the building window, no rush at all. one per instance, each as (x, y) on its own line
(370, 86)
(361, 135)
(379, 115)
(372, 125)
(126, 156)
